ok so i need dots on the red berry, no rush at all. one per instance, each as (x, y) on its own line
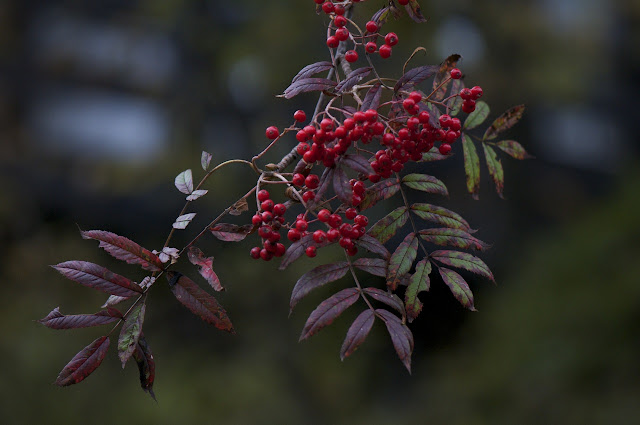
(359, 116)
(279, 209)
(391, 39)
(302, 148)
(332, 42)
(361, 220)
(308, 196)
(466, 94)
(312, 181)
(323, 215)
(318, 1)
(351, 213)
(266, 205)
(445, 120)
(468, 106)
(455, 124)
(416, 96)
(333, 235)
(356, 200)
(456, 73)
(309, 157)
(266, 216)
(298, 179)
(263, 195)
(371, 26)
(300, 115)
(444, 149)
(340, 21)
(408, 104)
(334, 220)
(451, 136)
(346, 243)
(359, 188)
(294, 235)
(302, 225)
(339, 10)
(371, 115)
(280, 250)
(342, 34)
(255, 252)
(272, 132)
(264, 231)
(256, 220)
(385, 51)
(327, 7)
(265, 255)
(352, 251)
(423, 117)
(319, 236)
(476, 92)
(311, 251)
(402, 2)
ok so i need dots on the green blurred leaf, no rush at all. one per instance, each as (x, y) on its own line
(495, 168)
(504, 122)
(401, 260)
(514, 149)
(418, 282)
(459, 287)
(440, 215)
(425, 183)
(464, 261)
(452, 237)
(477, 117)
(471, 166)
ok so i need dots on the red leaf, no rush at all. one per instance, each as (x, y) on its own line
(401, 336)
(341, 186)
(308, 84)
(465, 261)
(372, 98)
(198, 301)
(56, 320)
(130, 332)
(415, 76)
(452, 237)
(357, 333)
(125, 249)
(374, 266)
(196, 257)
(392, 300)
(459, 287)
(357, 163)
(401, 260)
(379, 191)
(504, 122)
(312, 69)
(373, 245)
(329, 310)
(231, 232)
(316, 278)
(146, 365)
(97, 277)
(352, 79)
(84, 363)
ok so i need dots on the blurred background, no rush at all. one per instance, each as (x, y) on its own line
(102, 103)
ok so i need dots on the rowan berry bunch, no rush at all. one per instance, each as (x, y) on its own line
(346, 156)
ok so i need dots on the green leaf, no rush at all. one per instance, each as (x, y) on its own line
(419, 282)
(440, 215)
(130, 332)
(465, 261)
(401, 260)
(379, 191)
(433, 155)
(514, 149)
(459, 288)
(455, 102)
(388, 225)
(495, 168)
(452, 237)
(477, 117)
(425, 183)
(315, 278)
(504, 122)
(471, 166)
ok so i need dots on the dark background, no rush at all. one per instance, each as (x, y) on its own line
(102, 103)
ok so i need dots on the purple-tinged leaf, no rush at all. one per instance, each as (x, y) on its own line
(478, 116)
(455, 102)
(230, 232)
(444, 74)
(372, 98)
(379, 191)
(205, 264)
(297, 249)
(341, 186)
(459, 287)
(239, 207)
(382, 15)
(495, 168)
(392, 300)
(374, 266)
(205, 160)
(308, 84)
(183, 221)
(201, 303)
(316, 278)
(433, 155)
(125, 249)
(328, 310)
(184, 182)
(425, 183)
(387, 226)
(434, 113)
(57, 320)
(414, 11)
(401, 260)
(114, 299)
(357, 333)
(514, 149)
(415, 76)
(504, 122)
(465, 261)
(452, 237)
(314, 68)
(197, 194)
(84, 363)
(373, 245)
(401, 336)
(419, 282)
(357, 163)
(440, 215)
(146, 365)
(352, 79)
(130, 332)
(97, 277)
(471, 166)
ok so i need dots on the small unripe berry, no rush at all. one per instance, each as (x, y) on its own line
(391, 39)
(300, 115)
(385, 51)
(456, 73)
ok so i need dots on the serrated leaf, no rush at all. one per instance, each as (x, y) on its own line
(57, 320)
(471, 166)
(433, 155)
(419, 282)
(315, 278)
(312, 69)
(465, 261)
(297, 250)
(373, 245)
(97, 277)
(84, 363)
(304, 85)
(444, 73)
(459, 287)
(184, 182)
(352, 79)
(452, 237)
(201, 303)
(440, 215)
(392, 300)
(146, 365)
(357, 333)
(385, 228)
(230, 232)
(379, 191)
(504, 122)
(328, 311)
(478, 116)
(495, 168)
(130, 332)
(514, 149)
(197, 194)
(374, 266)
(414, 11)
(357, 163)
(205, 160)
(183, 221)
(401, 260)
(401, 336)
(125, 249)
(372, 98)
(341, 186)
(455, 102)
(415, 76)
(425, 183)
(205, 266)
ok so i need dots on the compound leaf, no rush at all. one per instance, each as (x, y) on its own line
(452, 237)
(464, 261)
(440, 215)
(315, 278)
(125, 249)
(459, 287)
(97, 277)
(84, 363)
(357, 333)
(329, 310)
(379, 191)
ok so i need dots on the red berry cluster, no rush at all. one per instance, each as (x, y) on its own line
(270, 218)
(469, 97)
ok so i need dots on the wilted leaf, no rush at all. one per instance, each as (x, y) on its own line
(357, 163)
(84, 363)
(373, 245)
(425, 183)
(465, 261)
(471, 166)
(504, 122)
(452, 237)
(387, 226)
(205, 264)
(205, 160)
(312, 69)
(308, 84)
(114, 299)
(184, 182)
(352, 79)
(379, 191)
(315, 278)
(372, 98)
(357, 333)
(478, 116)
(514, 149)
(459, 287)
(97, 277)
(415, 76)
(414, 11)
(57, 320)
(341, 186)
(374, 266)
(455, 102)
(440, 215)
(198, 301)
(146, 365)
(444, 74)
(381, 16)
(419, 282)
(239, 207)
(392, 300)
(230, 232)
(183, 221)
(329, 310)
(433, 155)
(125, 249)
(495, 168)
(130, 332)
(196, 194)
(401, 260)
(401, 336)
